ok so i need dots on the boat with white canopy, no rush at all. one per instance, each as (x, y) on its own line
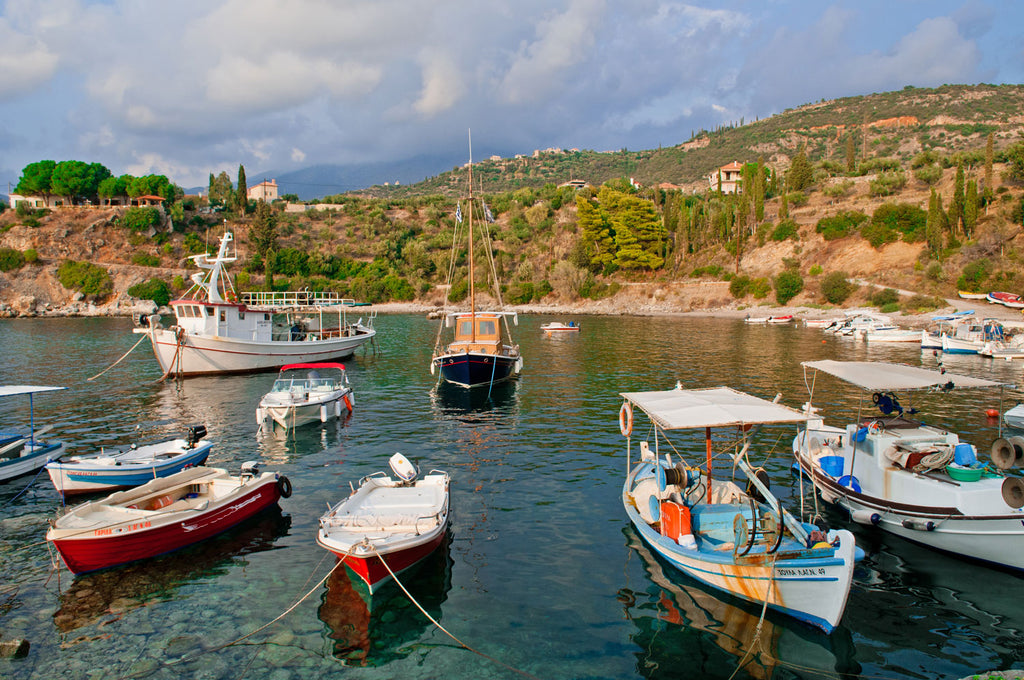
(917, 481)
(23, 452)
(739, 540)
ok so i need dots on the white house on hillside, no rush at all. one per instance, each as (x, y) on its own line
(730, 175)
(264, 191)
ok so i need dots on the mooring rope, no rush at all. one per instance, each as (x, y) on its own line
(119, 360)
(445, 630)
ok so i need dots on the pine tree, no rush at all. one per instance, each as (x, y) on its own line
(989, 157)
(242, 195)
(263, 238)
(851, 154)
(801, 174)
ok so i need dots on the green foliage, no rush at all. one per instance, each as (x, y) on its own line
(145, 260)
(801, 174)
(713, 271)
(178, 282)
(155, 289)
(760, 288)
(887, 183)
(974, 275)
(786, 229)
(840, 225)
(904, 218)
(194, 244)
(1014, 155)
(929, 174)
(788, 285)
(836, 287)
(884, 296)
(922, 304)
(85, 277)
(11, 259)
(31, 256)
(878, 234)
(739, 287)
(815, 270)
(796, 198)
(140, 219)
(35, 179)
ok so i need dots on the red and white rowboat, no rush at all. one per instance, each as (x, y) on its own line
(162, 516)
(388, 520)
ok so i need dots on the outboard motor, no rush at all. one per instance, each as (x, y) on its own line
(195, 433)
(250, 469)
(403, 468)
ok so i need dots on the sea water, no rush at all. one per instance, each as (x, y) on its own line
(542, 576)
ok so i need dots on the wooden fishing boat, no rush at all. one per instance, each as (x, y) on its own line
(388, 524)
(23, 452)
(218, 331)
(788, 318)
(132, 466)
(306, 393)
(162, 516)
(967, 295)
(917, 481)
(740, 541)
(481, 351)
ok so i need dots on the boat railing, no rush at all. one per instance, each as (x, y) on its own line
(295, 298)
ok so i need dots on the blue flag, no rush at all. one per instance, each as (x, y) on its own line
(458, 213)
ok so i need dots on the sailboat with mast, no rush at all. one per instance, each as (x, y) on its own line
(481, 351)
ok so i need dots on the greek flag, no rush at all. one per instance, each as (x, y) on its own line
(458, 213)
(487, 213)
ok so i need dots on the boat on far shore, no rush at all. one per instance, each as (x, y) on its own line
(559, 327)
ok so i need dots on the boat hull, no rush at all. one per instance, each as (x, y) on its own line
(812, 589)
(469, 369)
(40, 455)
(85, 550)
(297, 415)
(371, 570)
(88, 476)
(211, 355)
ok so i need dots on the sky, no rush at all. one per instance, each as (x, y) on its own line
(191, 87)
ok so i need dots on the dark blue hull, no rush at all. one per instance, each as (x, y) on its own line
(474, 370)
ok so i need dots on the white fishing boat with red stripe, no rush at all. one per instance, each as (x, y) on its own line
(161, 516)
(306, 393)
(388, 524)
(218, 331)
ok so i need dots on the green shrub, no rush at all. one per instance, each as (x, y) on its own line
(887, 183)
(739, 287)
(712, 271)
(974, 275)
(929, 174)
(836, 287)
(904, 218)
(815, 270)
(31, 256)
(934, 272)
(878, 234)
(885, 296)
(840, 225)
(796, 198)
(145, 260)
(140, 219)
(156, 290)
(786, 229)
(760, 287)
(788, 285)
(922, 304)
(178, 282)
(85, 277)
(11, 259)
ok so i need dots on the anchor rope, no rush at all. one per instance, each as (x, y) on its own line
(119, 360)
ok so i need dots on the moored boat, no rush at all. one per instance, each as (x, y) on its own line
(559, 327)
(131, 466)
(162, 516)
(306, 393)
(218, 331)
(917, 481)
(23, 452)
(1011, 300)
(788, 318)
(967, 295)
(743, 542)
(388, 524)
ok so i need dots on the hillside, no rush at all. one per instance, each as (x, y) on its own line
(393, 243)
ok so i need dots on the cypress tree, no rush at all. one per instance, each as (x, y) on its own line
(970, 207)
(851, 154)
(784, 205)
(956, 204)
(989, 156)
(242, 195)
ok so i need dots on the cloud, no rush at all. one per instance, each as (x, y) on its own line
(442, 84)
(26, 63)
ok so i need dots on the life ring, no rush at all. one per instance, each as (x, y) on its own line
(349, 401)
(231, 296)
(284, 487)
(626, 419)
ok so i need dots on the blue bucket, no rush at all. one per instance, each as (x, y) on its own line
(964, 455)
(850, 483)
(832, 465)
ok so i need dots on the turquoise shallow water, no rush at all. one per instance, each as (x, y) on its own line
(542, 572)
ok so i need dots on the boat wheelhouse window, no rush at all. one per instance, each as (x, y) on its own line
(241, 316)
(223, 315)
(486, 327)
(465, 328)
(209, 311)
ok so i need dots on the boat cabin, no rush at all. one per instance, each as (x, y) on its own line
(477, 333)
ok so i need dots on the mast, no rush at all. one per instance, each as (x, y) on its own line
(472, 292)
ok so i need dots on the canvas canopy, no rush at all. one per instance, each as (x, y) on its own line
(14, 390)
(680, 409)
(879, 376)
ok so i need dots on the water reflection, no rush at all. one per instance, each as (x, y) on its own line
(682, 625)
(105, 596)
(371, 630)
(452, 400)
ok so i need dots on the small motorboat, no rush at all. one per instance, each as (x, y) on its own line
(388, 524)
(559, 327)
(306, 393)
(162, 516)
(742, 542)
(967, 295)
(23, 452)
(110, 470)
(1011, 300)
